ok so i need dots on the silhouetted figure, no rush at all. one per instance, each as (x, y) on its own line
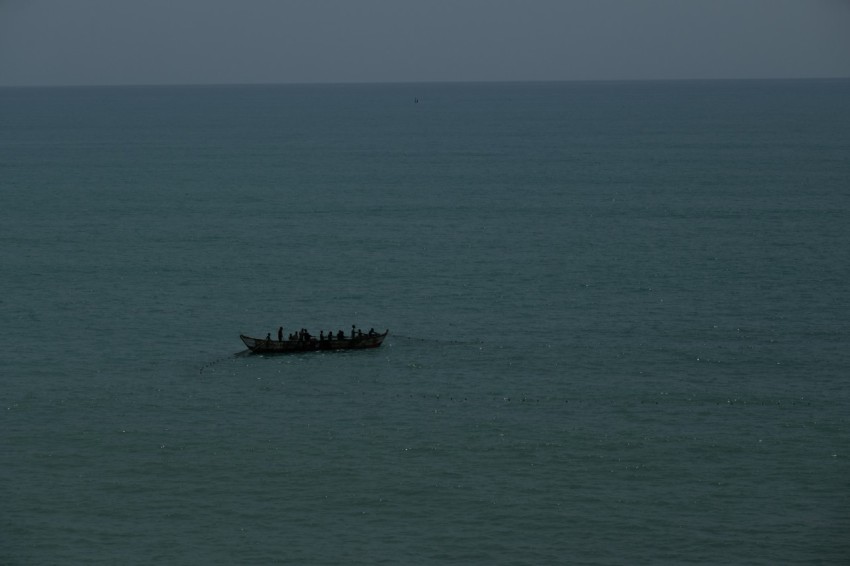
(280, 334)
(352, 332)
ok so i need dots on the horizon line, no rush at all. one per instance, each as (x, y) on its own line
(420, 82)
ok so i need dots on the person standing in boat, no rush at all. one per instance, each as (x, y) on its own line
(280, 334)
(352, 332)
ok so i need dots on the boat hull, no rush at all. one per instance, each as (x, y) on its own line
(262, 346)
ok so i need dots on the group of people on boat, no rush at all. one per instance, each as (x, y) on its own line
(303, 335)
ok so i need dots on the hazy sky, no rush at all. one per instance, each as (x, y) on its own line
(57, 42)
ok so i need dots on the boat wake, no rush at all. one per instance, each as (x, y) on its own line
(418, 339)
(440, 340)
(241, 354)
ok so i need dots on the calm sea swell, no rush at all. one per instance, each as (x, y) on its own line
(617, 312)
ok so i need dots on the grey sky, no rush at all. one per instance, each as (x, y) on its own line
(56, 42)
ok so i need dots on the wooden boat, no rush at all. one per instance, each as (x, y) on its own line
(263, 346)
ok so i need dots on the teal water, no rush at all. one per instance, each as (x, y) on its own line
(618, 311)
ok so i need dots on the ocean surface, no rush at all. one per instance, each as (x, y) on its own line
(619, 324)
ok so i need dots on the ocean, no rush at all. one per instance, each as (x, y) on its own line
(618, 317)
